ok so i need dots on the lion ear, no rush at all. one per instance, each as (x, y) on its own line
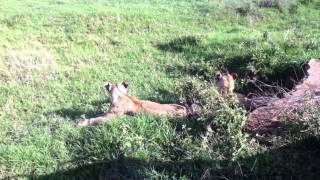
(218, 75)
(234, 75)
(108, 86)
(125, 84)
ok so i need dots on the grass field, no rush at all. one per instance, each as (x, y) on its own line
(55, 56)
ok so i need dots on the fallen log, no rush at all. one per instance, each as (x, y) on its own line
(265, 119)
(253, 103)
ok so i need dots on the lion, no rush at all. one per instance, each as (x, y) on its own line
(123, 104)
(225, 83)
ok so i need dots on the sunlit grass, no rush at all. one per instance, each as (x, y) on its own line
(55, 56)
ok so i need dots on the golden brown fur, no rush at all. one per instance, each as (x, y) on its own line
(225, 83)
(123, 104)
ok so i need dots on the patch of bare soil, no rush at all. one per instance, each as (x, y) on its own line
(26, 66)
(272, 116)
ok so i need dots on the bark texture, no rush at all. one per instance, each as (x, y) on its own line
(274, 112)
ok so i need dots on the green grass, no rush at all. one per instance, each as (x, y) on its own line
(56, 54)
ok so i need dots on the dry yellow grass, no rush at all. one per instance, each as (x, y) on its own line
(26, 66)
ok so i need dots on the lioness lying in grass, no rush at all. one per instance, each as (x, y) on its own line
(123, 104)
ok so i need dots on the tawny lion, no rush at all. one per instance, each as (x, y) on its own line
(225, 83)
(123, 104)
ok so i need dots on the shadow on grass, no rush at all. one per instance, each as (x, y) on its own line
(163, 96)
(179, 44)
(129, 168)
(250, 59)
(75, 113)
(199, 56)
(299, 160)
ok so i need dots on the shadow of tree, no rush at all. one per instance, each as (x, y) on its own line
(298, 160)
(163, 96)
(179, 44)
(204, 59)
(128, 168)
(246, 57)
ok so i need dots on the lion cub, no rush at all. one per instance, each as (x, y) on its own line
(225, 83)
(123, 104)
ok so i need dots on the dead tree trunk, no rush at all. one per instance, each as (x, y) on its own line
(306, 95)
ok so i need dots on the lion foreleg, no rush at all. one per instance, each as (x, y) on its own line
(98, 120)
